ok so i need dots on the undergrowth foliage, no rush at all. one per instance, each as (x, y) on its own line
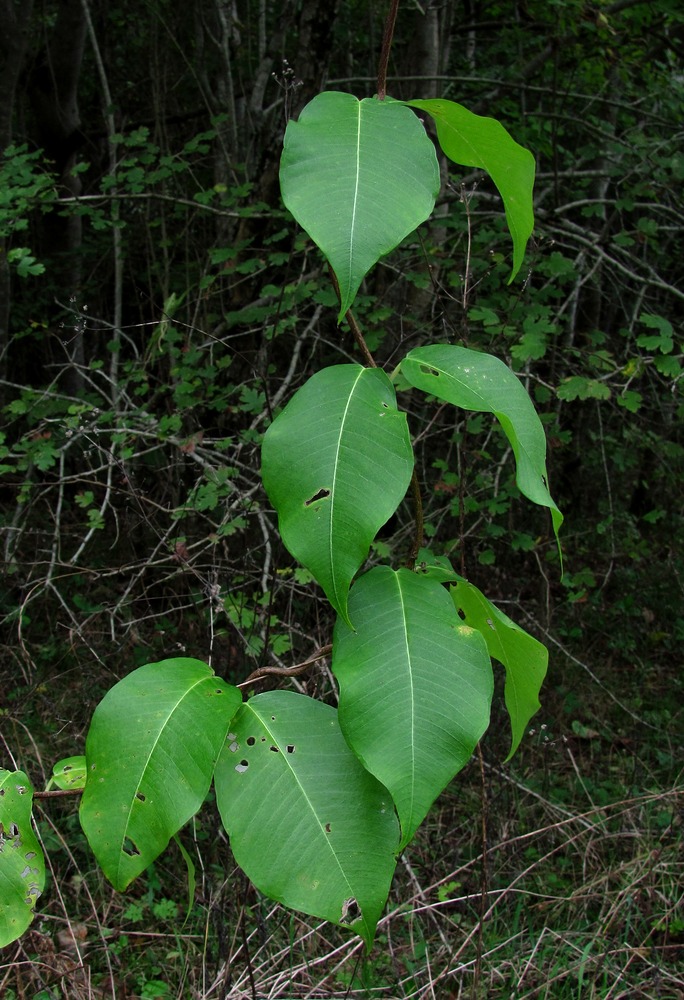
(319, 802)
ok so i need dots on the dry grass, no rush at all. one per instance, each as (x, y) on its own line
(565, 901)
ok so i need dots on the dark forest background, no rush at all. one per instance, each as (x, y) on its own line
(157, 305)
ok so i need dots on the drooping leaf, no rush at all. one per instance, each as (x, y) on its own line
(22, 865)
(358, 176)
(69, 773)
(474, 141)
(484, 384)
(336, 464)
(308, 825)
(415, 687)
(524, 657)
(150, 752)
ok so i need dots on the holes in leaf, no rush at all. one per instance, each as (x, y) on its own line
(218, 691)
(426, 370)
(242, 766)
(250, 741)
(274, 749)
(290, 748)
(234, 746)
(491, 624)
(351, 911)
(140, 797)
(130, 848)
(13, 830)
(21, 789)
(321, 495)
(461, 613)
(327, 827)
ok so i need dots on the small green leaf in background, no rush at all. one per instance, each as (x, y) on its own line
(474, 141)
(484, 384)
(663, 340)
(524, 658)
(358, 176)
(307, 824)
(22, 865)
(415, 687)
(336, 464)
(70, 772)
(150, 752)
(579, 387)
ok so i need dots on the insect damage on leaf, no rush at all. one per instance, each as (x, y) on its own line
(321, 495)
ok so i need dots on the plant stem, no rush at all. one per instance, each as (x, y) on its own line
(58, 793)
(358, 337)
(418, 536)
(353, 325)
(386, 46)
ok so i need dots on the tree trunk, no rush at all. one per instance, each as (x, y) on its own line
(52, 90)
(15, 16)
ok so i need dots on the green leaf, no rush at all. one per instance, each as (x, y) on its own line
(307, 824)
(22, 865)
(358, 176)
(70, 772)
(415, 687)
(473, 141)
(150, 753)
(336, 464)
(524, 658)
(482, 383)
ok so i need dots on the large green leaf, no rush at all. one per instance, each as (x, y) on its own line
(415, 687)
(336, 464)
(358, 176)
(309, 826)
(473, 141)
(483, 383)
(523, 656)
(22, 865)
(150, 752)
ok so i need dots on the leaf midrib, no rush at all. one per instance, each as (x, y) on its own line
(355, 199)
(186, 693)
(333, 490)
(324, 837)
